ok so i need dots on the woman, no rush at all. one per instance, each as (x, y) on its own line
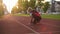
(36, 17)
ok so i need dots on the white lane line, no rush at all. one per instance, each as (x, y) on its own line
(34, 30)
(50, 25)
(26, 26)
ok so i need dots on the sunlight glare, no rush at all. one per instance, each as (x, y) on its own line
(28, 0)
(10, 4)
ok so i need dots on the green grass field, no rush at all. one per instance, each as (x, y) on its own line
(20, 14)
(49, 16)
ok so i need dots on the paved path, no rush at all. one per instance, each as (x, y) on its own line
(21, 25)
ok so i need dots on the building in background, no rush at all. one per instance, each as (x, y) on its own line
(57, 7)
(52, 5)
(54, 8)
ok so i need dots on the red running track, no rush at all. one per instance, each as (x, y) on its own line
(21, 25)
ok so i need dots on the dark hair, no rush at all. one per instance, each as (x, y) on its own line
(34, 10)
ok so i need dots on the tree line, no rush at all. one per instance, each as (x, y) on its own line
(23, 5)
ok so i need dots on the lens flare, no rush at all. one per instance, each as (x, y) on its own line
(10, 4)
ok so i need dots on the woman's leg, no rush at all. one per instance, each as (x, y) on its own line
(34, 22)
(38, 19)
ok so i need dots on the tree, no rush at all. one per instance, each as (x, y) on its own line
(14, 10)
(25, 5)
(40, 3)
(20, 6)
(46, 6)
(1, 9)
(32, 3)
